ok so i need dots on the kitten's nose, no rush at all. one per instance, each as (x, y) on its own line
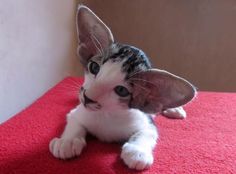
(88, 100)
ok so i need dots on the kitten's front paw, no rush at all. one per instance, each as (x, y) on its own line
(66, 148)
(135, 157)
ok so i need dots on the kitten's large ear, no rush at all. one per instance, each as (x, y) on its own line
(156, 90)
(93, 34)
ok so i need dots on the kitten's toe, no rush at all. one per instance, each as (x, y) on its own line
(66, 148)
(135, 157)
(178, 113)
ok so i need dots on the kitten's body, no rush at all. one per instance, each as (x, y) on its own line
(111, 126)
(119, 94)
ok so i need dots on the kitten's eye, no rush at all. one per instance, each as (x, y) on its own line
(94, 68)
(121, 91)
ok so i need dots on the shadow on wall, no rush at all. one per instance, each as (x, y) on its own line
(193, 39)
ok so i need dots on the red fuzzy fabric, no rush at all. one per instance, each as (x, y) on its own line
(203, 143)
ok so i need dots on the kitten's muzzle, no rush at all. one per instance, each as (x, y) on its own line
(87, 100)
(89, 103)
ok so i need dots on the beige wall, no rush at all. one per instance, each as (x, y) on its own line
(37, 49)
(195, 39)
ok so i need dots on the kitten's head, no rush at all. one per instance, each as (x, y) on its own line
(119, 76)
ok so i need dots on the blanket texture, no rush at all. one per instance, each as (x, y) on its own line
(205, 142)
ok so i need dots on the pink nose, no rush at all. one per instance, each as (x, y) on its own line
(96, 91)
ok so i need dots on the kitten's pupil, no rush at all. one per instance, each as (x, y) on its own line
(121, 91)
(94, 68)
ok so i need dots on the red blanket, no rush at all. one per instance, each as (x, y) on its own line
(203, 143)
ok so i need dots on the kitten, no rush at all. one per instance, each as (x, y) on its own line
(120, 93)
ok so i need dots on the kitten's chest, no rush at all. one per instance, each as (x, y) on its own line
(111, 127)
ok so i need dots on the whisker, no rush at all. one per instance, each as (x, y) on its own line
(134, 73)
(95, 44)
(106, 55)
(70, 87)
(144, 81)
(101, 48)
(66, 93)
(136, 79)
(73, 93)
(143, 87)
(73, 85)
(68, 90)
(65, 90)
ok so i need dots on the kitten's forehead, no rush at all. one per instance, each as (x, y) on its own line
(111, 73)
(119, 62)
(132, 58)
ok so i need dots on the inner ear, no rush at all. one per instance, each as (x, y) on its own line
(156, 90)
(93, 35)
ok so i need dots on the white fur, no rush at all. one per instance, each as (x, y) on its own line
(101, 88)
(109, 127)
(178, 112)
(113, 122)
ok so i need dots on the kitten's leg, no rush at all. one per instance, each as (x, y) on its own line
(137, 152)
(72, 141)
(178, 112)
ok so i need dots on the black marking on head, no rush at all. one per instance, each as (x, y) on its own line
(123, 52)
(134, 59)
(137, 61)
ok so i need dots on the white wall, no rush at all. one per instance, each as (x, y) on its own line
(37, 49)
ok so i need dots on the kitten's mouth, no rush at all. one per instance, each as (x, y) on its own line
(92, 107)
(88, 103)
